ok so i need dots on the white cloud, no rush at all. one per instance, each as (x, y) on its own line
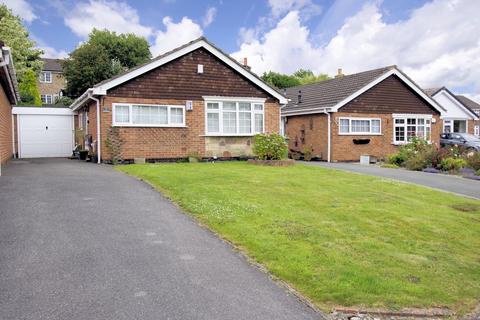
(306, 7)
(438, 44)
(101, 14)
(175, 34)
(21, 8)
(209, 16)
(49, 52)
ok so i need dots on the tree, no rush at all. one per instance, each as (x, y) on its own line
(300, 77)
(29, 90)
(26, 57)
(280, 80)
(104, 55)
(15, 36)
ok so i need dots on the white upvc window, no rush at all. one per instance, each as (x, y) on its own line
(147, 115)
(46, 98)
(234, 117)
(476, 130)
(409, 126)
(359, 126)
(46, 77)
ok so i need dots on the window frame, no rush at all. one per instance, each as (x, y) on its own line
(43, 78)
(405, 125)
(46, 98)
(146, 125)
(237, 101)
(350, 133)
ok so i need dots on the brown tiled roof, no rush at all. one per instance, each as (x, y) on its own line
(54, 65)
(328, 93)
(469, 103)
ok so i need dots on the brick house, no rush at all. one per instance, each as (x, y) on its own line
(8, 97)
(192, 100)
(371, 112)
(51, 82)
(460, 115)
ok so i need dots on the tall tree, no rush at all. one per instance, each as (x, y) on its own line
(29, 90)
(300, 77)
(104, 55)
(307, 76)
(26, 57)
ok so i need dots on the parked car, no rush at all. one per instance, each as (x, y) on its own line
(466, 140)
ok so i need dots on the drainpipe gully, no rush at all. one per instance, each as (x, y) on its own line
(99, 146)
(328, 135)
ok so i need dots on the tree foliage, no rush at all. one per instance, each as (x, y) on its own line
(26, 57)
(300, 77)
(29, 90)
(104, 55)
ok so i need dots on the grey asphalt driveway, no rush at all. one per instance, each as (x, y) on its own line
(448, 183)
(82, 241)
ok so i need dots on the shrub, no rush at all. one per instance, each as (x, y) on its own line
(473, 161)
(307, 154)
(396, 159)
(270, 146)
(477, 173)
(452, 164)
(390, 166)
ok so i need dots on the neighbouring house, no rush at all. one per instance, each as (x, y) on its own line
(472, 105)
(8, 97)
(193, 100)
(367, 113)
(459, 115)
(51, 82)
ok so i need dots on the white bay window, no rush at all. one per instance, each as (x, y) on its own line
(359, 126)
(141, 115)
(234, 117)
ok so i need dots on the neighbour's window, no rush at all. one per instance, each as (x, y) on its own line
(148, 115)
(409, 127)
(234, 118)
(355, 126)
(46, 98)
(46, 77)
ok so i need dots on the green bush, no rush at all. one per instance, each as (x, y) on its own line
(390, 166)
(396, 159)
(473, 161)
(452, 164)
(478, 172)
(270, 146)
(307, 154)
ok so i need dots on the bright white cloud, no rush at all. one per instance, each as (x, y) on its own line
(209, 16)
(21, 8)
(175, 35)
(49, 52)
(102, 14)
(439, 44)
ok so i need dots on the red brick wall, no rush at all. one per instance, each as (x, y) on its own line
(308, 131)
(5, 128)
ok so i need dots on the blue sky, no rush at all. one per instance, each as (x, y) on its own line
(437, 42)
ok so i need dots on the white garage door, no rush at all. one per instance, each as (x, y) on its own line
(43, 135)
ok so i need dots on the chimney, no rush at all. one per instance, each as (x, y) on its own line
(245, 63)
(339, 73)
(299, 96)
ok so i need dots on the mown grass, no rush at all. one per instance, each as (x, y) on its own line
(337, 237)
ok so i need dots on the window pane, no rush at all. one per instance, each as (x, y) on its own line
(149, 115)
(245, 122)
(231, 106)
(344, 125)
(399, 133)
(244, 106)
(258, 107)
(176, 115)
(229, 121)
(399, 121)
(213, 124)
(212, 106)
(376, 126)
(121, 114)
(258, 123)
(360, 126)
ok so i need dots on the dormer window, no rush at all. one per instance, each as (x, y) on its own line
(46, 77)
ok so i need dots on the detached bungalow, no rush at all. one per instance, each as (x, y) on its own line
(459, 115)
(193, 100)
(368, 113)
(8, 97)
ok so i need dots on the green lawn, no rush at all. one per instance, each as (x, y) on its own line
(337, 237)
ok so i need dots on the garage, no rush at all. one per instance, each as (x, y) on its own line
(44, 132)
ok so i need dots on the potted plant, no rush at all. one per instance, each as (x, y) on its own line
(80, 141)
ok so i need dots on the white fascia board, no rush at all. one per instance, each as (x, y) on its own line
(43, 111)
(419, 91)
(235, 99)
(80, 101)
(456, 102)
(305, 111)
(102, 89)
